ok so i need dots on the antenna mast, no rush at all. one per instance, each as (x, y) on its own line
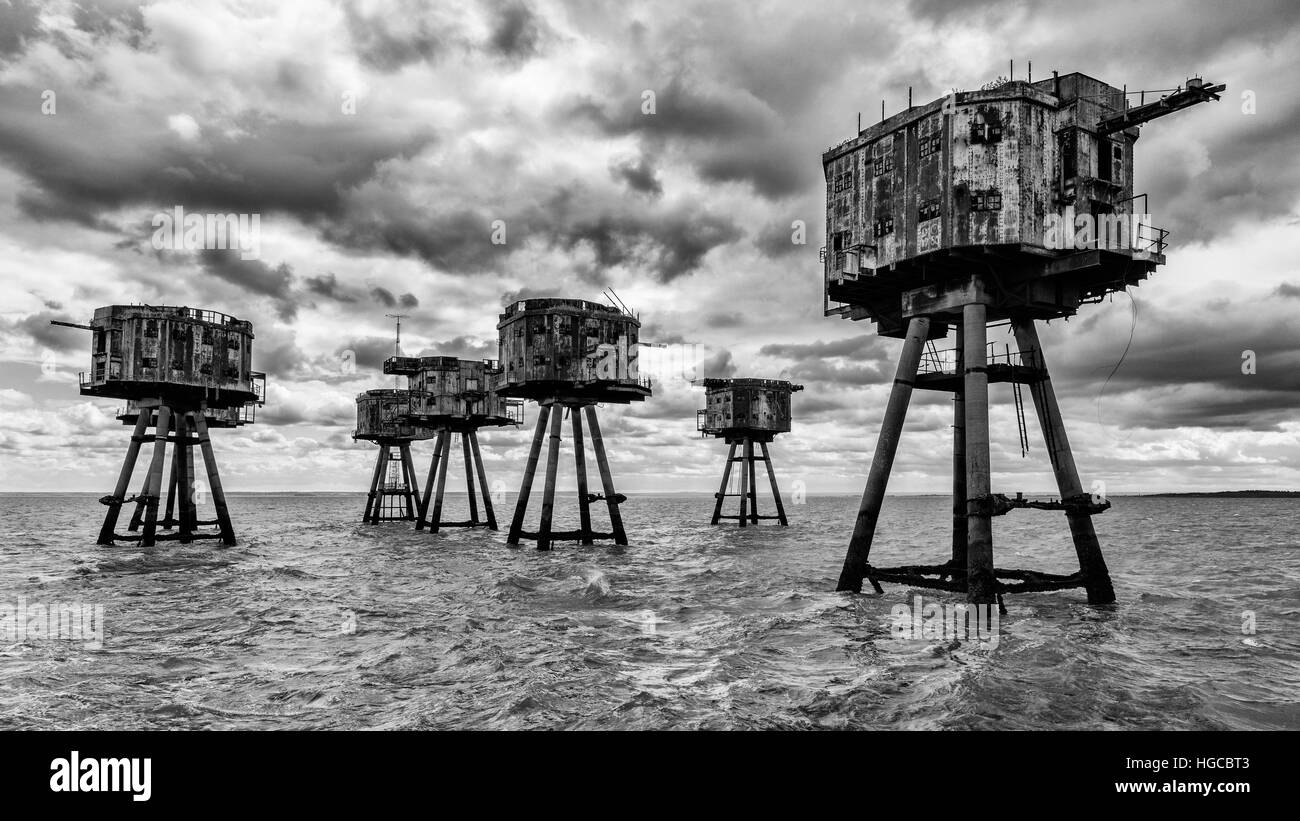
(397, 344)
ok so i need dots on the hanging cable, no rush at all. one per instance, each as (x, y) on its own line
(1133, 311)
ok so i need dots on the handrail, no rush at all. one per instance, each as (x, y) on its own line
(944, 360)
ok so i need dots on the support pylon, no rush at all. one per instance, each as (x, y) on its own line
(439, 465)
(185, 428)
(550, 422)
(971, 568)
(392, 501)
(748, 483)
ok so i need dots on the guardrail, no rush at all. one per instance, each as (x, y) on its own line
(944, 360)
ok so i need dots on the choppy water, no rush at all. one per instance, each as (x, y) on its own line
(318, 621)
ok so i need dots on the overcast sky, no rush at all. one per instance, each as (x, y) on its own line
(531, 112)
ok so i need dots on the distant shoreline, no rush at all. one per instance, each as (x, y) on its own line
(1238, 494)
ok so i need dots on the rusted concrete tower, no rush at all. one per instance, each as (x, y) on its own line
(745, 412)
(380, 420)
(1010, 204)
(569, 355)
(450, 396)
(181, 372)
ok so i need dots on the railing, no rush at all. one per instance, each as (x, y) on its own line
(1151, 239)
(1147, 238)
(944, 360)
(515, 410)
(247, 414)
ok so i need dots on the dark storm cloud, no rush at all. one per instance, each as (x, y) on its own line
(253, 276)
(121, 19)
(279, 359)
(37, 328)
(327, 285)
(385, 297)
(393, 37)
(941, 10)
(718, 366)
(814, 407)
(281, 413)
(1286, 289)
(19, 24)
(832, 373)
(720, 319)
(368, 352)
(638, 174)
(270, 165)
(1250, 178)
(1193, 364)
(777, 240)
(857, 347)
(729, 137)
(1237, 410)
(516, 30)
(680, 110)
(511, 297)
(456, 242)
(668, 242)
(463, 347)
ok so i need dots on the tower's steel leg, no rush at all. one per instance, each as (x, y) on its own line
(428, 484)
(384, 505)
(864, 529)
(408, 477)
(214, 480)
(154, 487)
(753, 480)
(552, 468)
(959, 460)
(776, 492)
(743, 518)
(469, 476)
(606, 478)
(981, 585)
(1091, 562)
(189, 505)
(109, 524)
(580, 464)
(137, 515)
(372, 498)
(183, 481)
(722, 491)
(444, 462)
(530, 469)
(169, 517)
(482, 481)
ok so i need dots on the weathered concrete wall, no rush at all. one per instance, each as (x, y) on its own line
(567, 341)
(976, 168)
(378, 412)
(748, 404)
(133, 347)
